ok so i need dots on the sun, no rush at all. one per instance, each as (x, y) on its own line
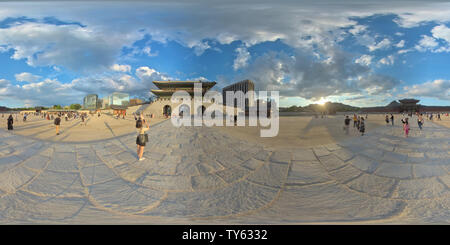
(322, 101)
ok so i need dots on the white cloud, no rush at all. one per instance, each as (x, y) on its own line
(199, 47)
(3, 83)
(441, 31)
(364, 60)
(357, 29)
(383, 44)
(121, 68)
(148, 51)
(426, 43)
(37, 93)
(404, 51)
(439, 89)
(301, 76)
(27, 77)
(389, 60)
(67, 93)
(242, 58)
(147, 75)
(81, 49)
(400, 44)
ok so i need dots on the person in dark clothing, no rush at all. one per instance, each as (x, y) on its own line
(358, 122)
(346, 124)
(10, 122)
(392, 119)
(362, 126)
(57, 123)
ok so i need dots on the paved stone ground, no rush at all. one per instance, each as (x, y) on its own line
(200, 175)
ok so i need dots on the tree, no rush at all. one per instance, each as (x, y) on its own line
(57, 107)
(75, 106)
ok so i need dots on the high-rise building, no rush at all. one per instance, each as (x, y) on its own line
(121, 99)
(90, 102)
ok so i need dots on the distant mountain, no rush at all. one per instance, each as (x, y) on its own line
(329, 107)
(2, 108)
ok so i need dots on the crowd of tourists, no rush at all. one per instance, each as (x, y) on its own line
(358, 123)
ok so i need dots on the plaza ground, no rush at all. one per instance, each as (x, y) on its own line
(311, 173)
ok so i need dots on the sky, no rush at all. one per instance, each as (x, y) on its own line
(360, 53)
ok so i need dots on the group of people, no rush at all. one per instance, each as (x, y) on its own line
(405, 121)
(358, 123)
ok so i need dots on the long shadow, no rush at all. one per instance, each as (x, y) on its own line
(84, 142)
(119, 138)
(110, 129)
(62, 131)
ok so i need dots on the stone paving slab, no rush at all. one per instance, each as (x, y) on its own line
(331, 162)
(13, 179)
(50, 183)
(282, 157)
(63, 161)
(421, 171)
(36, 209)
(168, 182)
(445, 179)
(252, 164)
(129, 172)
(394, 170)
(345, 174)
(364, 164)
(272, 175)
(233, 174)
(204, 182)
(373, 185)
(220, 202)
(192, 173)
(314, 203)
(344, 154)
(303, 155)
(307, 173)
(419, 189)
(119, 196)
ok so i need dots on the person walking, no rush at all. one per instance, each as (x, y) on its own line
(362, 126)
(141, 138)
(346, 124)
(355, 119)
(405, 127)
(10, 122)
(358, 122)
(57, 124)
(392, 119)
(420, 121)
(387, 120)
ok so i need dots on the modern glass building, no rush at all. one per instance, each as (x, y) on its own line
(121, 99)
(243, 86)
(90, 102)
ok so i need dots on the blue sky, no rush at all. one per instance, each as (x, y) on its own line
(358, 54)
